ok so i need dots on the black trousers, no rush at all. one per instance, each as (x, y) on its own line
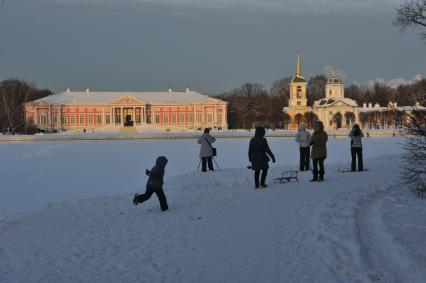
(319, 161)
(357, 152)
(304, 158)
(160, 194)
(262, 179)
(205, 161)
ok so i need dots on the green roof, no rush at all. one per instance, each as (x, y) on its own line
(297, 79)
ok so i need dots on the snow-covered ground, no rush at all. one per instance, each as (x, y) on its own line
(354, 227)
(33, 173)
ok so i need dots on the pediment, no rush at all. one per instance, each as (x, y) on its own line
(128, 100)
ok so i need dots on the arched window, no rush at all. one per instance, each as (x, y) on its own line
(299, 92)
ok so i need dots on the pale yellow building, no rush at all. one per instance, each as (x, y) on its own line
(327, 109)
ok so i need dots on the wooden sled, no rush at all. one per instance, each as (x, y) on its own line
(287, 177)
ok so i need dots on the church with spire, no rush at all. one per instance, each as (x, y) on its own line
(334, 110)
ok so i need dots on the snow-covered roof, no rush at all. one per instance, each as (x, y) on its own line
(327, 102)
(399, 108)
(165, 97)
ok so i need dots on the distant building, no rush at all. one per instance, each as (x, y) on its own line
(127, 111)
(334, 110)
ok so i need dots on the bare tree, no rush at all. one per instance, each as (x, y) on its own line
(414, 159)
(350, 118)
(310, 118)
(412, 14)
(298, 118)
(337, 120)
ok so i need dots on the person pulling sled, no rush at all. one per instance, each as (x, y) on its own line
(258, 156)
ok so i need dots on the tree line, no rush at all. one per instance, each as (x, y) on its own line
(13, 94)
(253, 104)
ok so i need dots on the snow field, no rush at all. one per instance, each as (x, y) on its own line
(354, 227)
(46, 172)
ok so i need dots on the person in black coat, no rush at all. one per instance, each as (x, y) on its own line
(258, 156)
(154, 184)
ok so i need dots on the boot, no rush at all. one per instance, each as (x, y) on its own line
(136, 199)
(315, 178)
(321, 177)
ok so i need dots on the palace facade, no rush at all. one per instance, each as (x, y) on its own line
(127, 111)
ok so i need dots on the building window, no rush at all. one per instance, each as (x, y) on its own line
(81, 119)
(90, 119)
(330, 92)
(31, 120)
(209, 118)
(331, 113)
(182, 118)
(43, 119)
(199, 118)
(55, 119)
(64, 119)
(190, 118)
(166, 119)
(299, 92)
(157, 119)
(331, 122)
(73, 120)
(173, 118)
(99, 119)
(117, 117)
(219, 118)
(107, 119)
(298, 103)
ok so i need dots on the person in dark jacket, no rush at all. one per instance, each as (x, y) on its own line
(319, 150)
(154, 184)
(356, 147)
(206, 150)
(258, 156)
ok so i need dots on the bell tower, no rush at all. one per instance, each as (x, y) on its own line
(298, 99)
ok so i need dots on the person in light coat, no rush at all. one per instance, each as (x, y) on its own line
(319, 151)
(303, 138)
(356, 147)
(206, 150)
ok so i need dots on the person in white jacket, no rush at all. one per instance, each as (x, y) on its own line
(206, 150)
(303, 137)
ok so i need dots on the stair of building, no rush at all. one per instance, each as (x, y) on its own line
(127, 130)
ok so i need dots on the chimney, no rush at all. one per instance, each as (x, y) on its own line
(370, 105)
(170, 90)
(68, 90)
(364, 105)
(187, 90)
(87, 90)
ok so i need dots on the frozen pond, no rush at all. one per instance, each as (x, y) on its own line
(32, 173)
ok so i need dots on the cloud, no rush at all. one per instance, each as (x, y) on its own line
(394, 83)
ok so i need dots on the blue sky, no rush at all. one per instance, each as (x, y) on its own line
(211, 45)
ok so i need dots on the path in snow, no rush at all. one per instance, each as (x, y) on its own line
(356, 227)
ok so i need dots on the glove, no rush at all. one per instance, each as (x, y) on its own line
(273, 160)
(147, 172)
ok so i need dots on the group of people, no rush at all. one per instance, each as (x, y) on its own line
(259, 154)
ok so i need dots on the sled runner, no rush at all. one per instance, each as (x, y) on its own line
(287, 177)
(350, 171)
